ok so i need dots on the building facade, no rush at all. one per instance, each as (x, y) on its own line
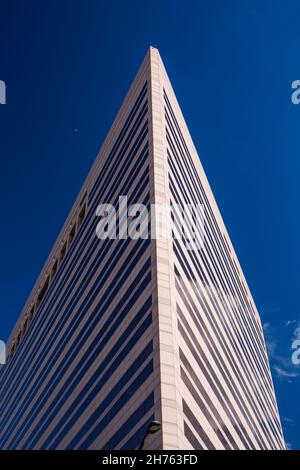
(119, 332)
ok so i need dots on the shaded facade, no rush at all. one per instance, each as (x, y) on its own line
(118, 332)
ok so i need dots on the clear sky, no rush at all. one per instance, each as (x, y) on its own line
(67, 65)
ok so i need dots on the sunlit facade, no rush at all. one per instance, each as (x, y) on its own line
(117, 333)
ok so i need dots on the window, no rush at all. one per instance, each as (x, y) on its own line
(18, 340)
(54, 269)
(63, 252)
(12, 352)
(72, 234)
(42, 292)
(25, 327)
(81, 215)
(31, 314)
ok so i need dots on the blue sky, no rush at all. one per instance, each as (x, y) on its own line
(68, 64)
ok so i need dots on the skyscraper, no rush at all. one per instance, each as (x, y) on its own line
(119, 332)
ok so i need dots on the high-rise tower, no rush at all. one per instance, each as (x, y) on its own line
(119, 332)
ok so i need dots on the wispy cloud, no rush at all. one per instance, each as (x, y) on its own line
(285, 373)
